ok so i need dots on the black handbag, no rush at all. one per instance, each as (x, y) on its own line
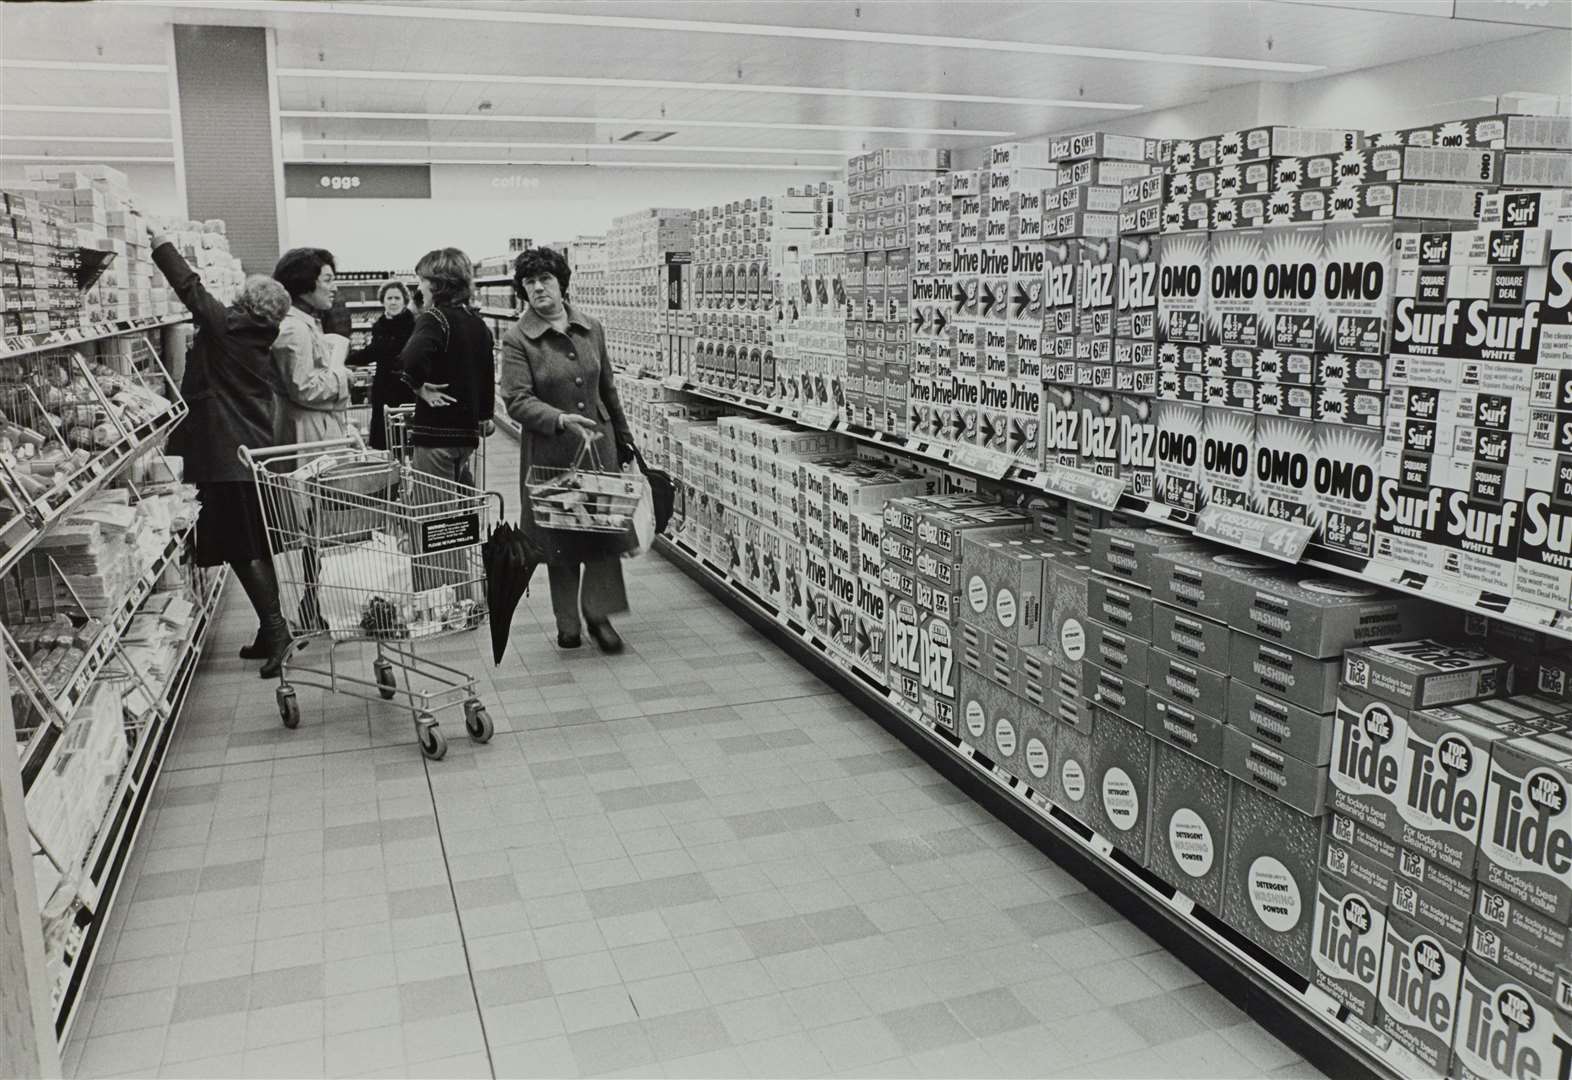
(663, 490)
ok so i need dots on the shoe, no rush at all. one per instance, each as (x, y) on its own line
(566, 640)
(606, 638)
(258, 649)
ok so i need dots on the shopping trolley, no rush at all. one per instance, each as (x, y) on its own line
(370, 551)
(396, 420)
(585, 496)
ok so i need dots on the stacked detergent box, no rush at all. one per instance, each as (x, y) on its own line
(733, 293)
(885, 192)
(648, 260)
(1449, 797)
(1476, 479)
(928, 378)
(810, 330)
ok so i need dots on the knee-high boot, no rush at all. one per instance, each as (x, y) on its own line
(261, 585)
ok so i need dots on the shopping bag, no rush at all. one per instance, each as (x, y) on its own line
(661, 488)
(352, 576)
(643, 527)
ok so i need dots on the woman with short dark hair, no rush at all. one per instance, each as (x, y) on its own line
(558, 384)
(315, 389)
(389, 334)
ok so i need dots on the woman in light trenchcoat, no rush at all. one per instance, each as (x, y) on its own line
(315, 401)
(557, 383)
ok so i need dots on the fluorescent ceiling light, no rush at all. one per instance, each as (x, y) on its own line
(107, 110)
(84, 138)
(564, 164)
(488, 118)
(452, 13)
(81, 65)
(676, 84)
(645, 147)
(94, 160)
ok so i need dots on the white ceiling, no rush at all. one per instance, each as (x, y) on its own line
(483, 50)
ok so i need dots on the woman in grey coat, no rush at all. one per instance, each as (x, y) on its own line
(557, 383)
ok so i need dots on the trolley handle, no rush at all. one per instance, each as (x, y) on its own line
(263, 453)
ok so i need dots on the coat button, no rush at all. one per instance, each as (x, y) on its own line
(578, 382)
(581, 404)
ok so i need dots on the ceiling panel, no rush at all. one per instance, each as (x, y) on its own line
(485, 39)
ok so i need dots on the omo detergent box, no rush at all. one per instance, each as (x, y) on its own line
(1269, 875)
(1349, 938)
(1355, 312)
(1291, 287)
(1177, 470)
(1282, 463)
(1227, 454)
(1508, 1031)
(1345, 473)
(1525, 844)
(1236, 304)
(1420, 978)
(1190, 807)
(1183, 271)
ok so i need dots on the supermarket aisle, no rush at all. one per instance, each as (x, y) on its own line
(693, 859)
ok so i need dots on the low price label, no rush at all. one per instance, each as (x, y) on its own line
(674, 382)
(989, 463)
(1281, 540)
(1079, 485)
(817, 417)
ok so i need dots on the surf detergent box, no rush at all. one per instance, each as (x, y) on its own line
(1269, 875)
(1349, 938)
(1420, 979)
(1508, 1030)
(1525, 843)
(1121, 783)
(1191, 802)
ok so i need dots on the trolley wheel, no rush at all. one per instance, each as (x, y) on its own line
(387, 685)
(288, 707)
(432, 742)
(477, 721)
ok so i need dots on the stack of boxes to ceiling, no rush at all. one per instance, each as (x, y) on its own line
(884, 192)
(732, 293)
(933, 254)
(205, 246)
(648, 273)
(99, 198)
(808, 254)
(958, 387)
(587, 257)
(38, 262)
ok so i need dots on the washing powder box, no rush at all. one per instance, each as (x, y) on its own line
(1347, 851)
(1183, 271)
(1269, 875)
(1320, 617)
(1120, 783)
(1099, 431)
(1125, 697)
(1191, 801)
(1346, 947)
(1507, 1029)
(1191, 731)
(1004, 582)
(1069, 777)
(1202, 581)
(1524, 209)
(1188, 684)
(1435, 911)
(1193, 638)
(1525, 844)
(990, 719)
(1346, 464)
(1291, 287)
(1424, 674)
(1354, 315)
(1280, 724)
(1069, 582)
(1113, 603)
(1061, 426)
(1419, 991)
(1534, 933)
(1118, 652)
(1235, 304)
(1544, 546)
(1301, 680)
(1298, 783)
(1368, 743)
(1284, 400)
(1138, 437)
(1177, 469)
(1227, 456)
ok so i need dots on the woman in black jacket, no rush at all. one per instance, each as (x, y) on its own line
(230, 386)
(389, 334)
(450, 367)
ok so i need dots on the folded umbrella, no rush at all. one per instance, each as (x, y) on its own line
(510, 558)
(663, 490)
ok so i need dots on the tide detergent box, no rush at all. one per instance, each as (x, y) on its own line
(1368, 743)
(1120, 783)
(1269, 875)
(1420, 978)
(1426, 673)
(1183, 271)
(1507, 1030)
(1349, 938)
(1525, 844)
(1190, 808)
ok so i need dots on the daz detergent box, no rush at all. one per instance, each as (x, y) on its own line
(1420, 977)
(1350, 933)
(1525, 844)
(1190, 805)
(1269, 875)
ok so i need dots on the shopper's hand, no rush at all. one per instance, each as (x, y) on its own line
(486, 428)
(160, 238)
(582, 426)
(625, 453)
(432, 394)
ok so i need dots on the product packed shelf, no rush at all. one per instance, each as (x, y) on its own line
(128, 808)
(77, 335)
(62, 705)
(39, 516)
(1081, 487)
(1365, 1047)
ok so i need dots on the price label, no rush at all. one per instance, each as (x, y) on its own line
(1082, 486)
(674, 382)
(817, 417)
(1284, 541)
(975, 459)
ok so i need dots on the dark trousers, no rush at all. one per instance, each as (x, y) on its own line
(602, 594)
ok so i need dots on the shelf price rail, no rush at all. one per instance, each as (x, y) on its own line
(993, 466)
(1364, 1048)
(58, 708)
(23, 344)
(107, 859)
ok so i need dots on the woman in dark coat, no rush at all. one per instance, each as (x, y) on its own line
(557, 384)
(389, 334)
(230, 386)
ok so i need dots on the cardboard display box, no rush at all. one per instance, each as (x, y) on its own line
(1299, 784)
(1294, 677)
(1287, 727)
(1350, 932)
(1419, 992)
(1269, 875)
(1190, 809)
(1193, 638)
(1121, 783)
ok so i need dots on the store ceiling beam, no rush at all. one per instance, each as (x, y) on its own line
(489, 118)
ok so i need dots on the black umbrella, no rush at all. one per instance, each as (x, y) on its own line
(663, 490)
(510, 558)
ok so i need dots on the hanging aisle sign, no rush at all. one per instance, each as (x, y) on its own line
(328, 181)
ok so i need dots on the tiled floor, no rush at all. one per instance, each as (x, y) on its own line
(689, 860)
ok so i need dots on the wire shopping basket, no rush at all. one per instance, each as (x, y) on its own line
(368, 550)
(580, 499)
